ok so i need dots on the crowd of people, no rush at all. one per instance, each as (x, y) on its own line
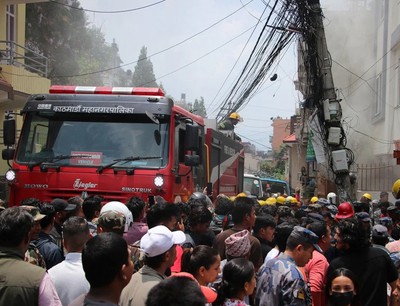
(231, 251)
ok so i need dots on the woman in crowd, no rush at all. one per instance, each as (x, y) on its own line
(238, 281)
(342, 288)
(203, 262)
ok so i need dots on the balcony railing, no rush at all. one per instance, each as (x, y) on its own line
(17, 55)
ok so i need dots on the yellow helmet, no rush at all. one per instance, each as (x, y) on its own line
(396, 189)
(280, 200)
(270, 201)
(236, 116)
(314, 199)
(241, 195)
(367, 196)
(262, 202)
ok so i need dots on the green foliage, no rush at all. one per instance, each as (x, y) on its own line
(199, 108)
(50, 31)
(73, 47)
(143, 76)
(276, 167)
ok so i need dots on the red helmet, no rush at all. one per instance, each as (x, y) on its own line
(345, 211)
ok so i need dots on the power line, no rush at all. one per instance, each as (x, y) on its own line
(106, 12)
(259, 143)
(154, 54)
(382, 141)
(169, 73)
(237, 60)
(161, 51)
(366, 71)
(260, 60)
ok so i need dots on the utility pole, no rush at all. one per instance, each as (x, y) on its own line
(324, 103)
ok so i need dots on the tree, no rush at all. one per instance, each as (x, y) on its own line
(75, 50)
(276, 167)
(53, 30)
(143, 76)
(199, 107)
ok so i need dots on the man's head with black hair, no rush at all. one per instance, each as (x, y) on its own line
(48, 210)
(76, 200)
(163, 214)
(184, 211)
(137, 207)
(31, 202)
(15, 227)
(264, 221)
(176, 291)
(199, 219)
(76, 234)
(243, 211)
(351, 234)
(78, 211)
(92, 206)
(105, 259)
(271, 210)
(323, 232)
(282, 232)
(223, 206)
(264, 227)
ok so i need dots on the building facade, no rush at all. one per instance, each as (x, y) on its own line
(22, 71)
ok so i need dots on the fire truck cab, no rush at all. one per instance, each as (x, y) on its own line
(117, 142)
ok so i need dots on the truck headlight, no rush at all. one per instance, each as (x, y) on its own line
(10, 176)
(159, 181)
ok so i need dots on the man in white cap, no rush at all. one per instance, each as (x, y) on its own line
(158, 246)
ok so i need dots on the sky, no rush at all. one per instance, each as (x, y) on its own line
(201, 65)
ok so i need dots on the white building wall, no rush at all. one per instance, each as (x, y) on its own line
(363, 39)
(251, 163)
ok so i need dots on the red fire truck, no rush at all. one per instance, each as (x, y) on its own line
(117, 142)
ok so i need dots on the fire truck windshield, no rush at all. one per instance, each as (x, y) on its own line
(93, 140)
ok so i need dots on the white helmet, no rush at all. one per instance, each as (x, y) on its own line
(120, 207)
(331, 197)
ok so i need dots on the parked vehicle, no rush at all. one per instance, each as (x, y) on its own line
(272, 186)
(117, 142)
(252, 184)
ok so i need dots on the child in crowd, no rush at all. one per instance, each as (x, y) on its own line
(238, 281)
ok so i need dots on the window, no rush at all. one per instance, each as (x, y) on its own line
(98, 139)
(378, 95)
(11, 31)
(11, 23)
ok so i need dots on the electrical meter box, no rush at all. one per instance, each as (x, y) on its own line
(334, 136)
(339, 160)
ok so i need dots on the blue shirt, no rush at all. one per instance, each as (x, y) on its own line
(280, 283)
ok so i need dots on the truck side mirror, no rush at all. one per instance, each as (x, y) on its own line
(7, 154)
(192, 138)
(9, 132)
(192, 160)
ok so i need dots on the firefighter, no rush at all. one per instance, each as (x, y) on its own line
(229, 125)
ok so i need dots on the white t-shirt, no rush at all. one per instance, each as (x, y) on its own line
(271, 254)
(69, 278)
